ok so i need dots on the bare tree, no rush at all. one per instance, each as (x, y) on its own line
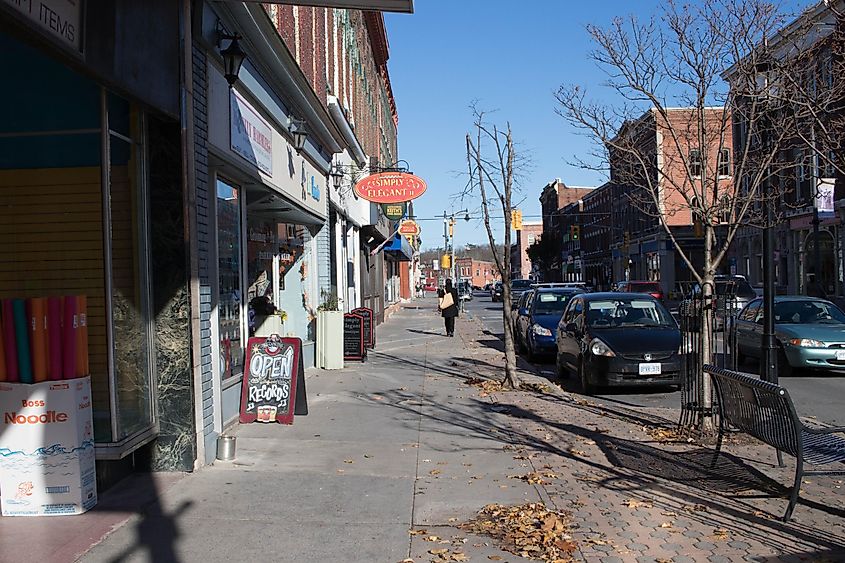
(695, 87)
(491, 175)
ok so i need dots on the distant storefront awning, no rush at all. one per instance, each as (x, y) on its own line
(399, 249)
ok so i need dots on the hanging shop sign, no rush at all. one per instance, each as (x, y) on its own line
(409, 227)
(824, 197)
(274, 387)
(390, 187)
(394, 211)
(250, 136)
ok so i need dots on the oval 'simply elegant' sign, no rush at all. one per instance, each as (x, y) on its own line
(390, 187)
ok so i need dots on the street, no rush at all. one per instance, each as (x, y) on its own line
(815, 394)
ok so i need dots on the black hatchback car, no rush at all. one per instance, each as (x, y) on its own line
(618, 339)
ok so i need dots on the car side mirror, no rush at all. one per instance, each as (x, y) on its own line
(523, 311)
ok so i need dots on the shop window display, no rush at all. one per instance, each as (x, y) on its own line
(229, 274)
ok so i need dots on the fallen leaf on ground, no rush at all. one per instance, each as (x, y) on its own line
(494, 557)
(417, 532)
(631, 503)
(432, 538)
(666, 525)
(348, 461)
(535, 477)
(529, 530)
(439, 551)
(435, 472)
(721, 534)
(458, 556)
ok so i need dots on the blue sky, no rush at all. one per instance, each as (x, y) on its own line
(510, 57)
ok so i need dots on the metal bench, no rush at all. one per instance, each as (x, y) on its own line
(765, 410)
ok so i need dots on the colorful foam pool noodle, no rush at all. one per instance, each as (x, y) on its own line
(3, 370)
(22, 330)
(69, 328)
(82, 336)
(12, 372)
(38, 343)
(54, 337)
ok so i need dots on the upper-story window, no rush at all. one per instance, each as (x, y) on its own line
(724, 162)
(695, 162)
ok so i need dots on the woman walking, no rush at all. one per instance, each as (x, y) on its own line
(448, 306)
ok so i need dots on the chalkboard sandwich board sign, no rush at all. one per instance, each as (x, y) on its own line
(273, 368)
(369, 328)
(353, 337)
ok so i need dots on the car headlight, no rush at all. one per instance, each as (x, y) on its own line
(807, 343)
(599, 348)
(541, 331)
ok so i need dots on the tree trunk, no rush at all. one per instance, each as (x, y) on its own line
(705, 416)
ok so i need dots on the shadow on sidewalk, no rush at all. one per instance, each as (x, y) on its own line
(679, 479)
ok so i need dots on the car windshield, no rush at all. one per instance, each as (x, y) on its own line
(738, 287)
(808, 312)
(615, 313)
(549, 303)
(645, 287)
(520, 284)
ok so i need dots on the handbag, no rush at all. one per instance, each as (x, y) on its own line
(446, 301)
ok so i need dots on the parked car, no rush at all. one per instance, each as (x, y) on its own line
(496, 292)
(618, 339)
(518, 287)
(487, 287)
(651, 288)
(537, 318)
(732, 294)
(562, 285)
(810, 333)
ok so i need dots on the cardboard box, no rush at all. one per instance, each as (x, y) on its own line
(47, 448)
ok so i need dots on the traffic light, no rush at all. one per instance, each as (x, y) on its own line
(574, 232)
(516, 219)
(452, 227)
(446, 262)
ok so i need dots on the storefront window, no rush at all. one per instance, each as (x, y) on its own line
(230, 317)
(129, 299)
(261, 250)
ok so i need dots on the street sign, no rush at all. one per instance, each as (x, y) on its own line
(390, 187)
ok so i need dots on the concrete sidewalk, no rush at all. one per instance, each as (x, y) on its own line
(397, 452)
(393, 444)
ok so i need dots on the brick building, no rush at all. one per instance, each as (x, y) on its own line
(520, 263)
(555, 196)
(479, 272)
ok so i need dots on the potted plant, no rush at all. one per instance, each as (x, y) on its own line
(329, 332)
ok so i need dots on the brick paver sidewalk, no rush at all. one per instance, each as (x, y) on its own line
(636, 496)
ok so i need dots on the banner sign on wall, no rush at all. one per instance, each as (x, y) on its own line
(390, 187)
(250, 136)
(59, 18)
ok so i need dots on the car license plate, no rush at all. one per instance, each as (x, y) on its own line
(840, 355)
(650, 369)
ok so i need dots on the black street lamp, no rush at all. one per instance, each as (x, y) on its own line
(768, 341)
(233, 58)
(299, 133)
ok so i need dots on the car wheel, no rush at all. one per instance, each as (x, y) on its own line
(529, 352)
(586, 386)
(784, 368)
(561, 371)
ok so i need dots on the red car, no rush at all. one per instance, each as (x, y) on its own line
(652, 288)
